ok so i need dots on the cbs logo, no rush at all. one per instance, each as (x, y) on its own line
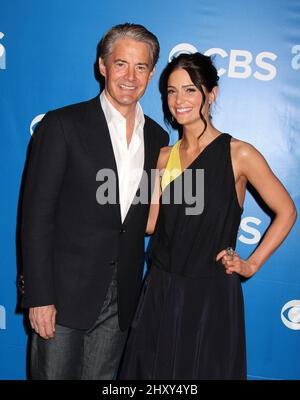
(296, 58)
(34, 122)
(290, 315)
(2, 53)
(2, 317)
(241, 63)
(254, 234)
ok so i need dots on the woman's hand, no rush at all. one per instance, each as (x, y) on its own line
(234, 263)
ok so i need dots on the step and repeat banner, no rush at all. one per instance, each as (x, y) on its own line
(47, 56)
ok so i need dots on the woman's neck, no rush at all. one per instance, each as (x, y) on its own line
(190, 138)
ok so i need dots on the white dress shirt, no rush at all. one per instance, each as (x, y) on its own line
(129, 158)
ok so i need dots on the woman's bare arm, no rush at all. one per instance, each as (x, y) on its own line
(251, 164)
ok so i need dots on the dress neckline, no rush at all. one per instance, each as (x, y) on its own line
(200, 154)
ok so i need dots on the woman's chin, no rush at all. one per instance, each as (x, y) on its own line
(184, 120)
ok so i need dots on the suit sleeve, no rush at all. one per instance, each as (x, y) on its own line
(43, 181)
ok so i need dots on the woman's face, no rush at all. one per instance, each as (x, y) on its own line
(184, 98)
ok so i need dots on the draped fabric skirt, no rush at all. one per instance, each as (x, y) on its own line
(187, 328)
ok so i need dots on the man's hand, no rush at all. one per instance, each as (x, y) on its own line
(42, 320)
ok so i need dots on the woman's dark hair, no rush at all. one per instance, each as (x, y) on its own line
(202, 73)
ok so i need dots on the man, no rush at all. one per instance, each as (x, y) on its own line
(83, 259)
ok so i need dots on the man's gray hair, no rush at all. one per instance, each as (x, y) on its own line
(132, 31)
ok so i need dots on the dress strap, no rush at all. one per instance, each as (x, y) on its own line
(173, 167)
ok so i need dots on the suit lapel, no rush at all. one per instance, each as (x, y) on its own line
(147, 148)
(97, 142)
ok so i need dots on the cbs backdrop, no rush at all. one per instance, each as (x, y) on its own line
(47, 52)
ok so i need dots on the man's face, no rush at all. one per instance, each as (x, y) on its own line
(127, 72)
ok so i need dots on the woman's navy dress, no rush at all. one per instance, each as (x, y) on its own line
(189, 323)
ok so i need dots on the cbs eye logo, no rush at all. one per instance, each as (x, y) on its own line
(2, 53)
(290, 315)
(2, 317)
(34, 122)
(182, 48)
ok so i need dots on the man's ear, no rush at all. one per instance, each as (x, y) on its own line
(102, 67)
(151, 74)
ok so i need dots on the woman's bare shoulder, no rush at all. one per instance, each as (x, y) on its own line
(242, 149)
(163, 156)
(166, 150)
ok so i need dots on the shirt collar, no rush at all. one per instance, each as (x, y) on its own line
(112, 114)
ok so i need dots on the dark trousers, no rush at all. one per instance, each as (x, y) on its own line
(82, 354)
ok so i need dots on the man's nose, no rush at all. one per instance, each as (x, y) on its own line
(131, 73)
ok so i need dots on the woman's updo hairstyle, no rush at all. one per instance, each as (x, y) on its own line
(202, 73)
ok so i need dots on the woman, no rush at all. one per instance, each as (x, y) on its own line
(190, 320)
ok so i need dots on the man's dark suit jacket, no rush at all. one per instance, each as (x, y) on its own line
(70, 243)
